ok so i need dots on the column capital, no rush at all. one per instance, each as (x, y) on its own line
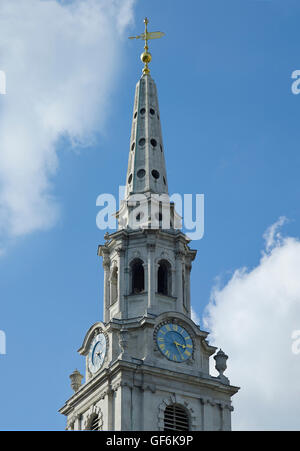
(179, 255)
(106, 262)
(120, 251)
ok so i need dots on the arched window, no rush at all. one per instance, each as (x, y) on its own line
(164, 278)
(93, 419)
(94, 424)
(138, 277)
(176, 418)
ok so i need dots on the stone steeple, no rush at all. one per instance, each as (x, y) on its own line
(147, 262)
(147, 362)
(146, 204)
(146, 165)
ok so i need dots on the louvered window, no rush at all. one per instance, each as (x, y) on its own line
(94, 424)
(176, 418)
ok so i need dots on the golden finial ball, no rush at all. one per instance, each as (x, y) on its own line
(146, 57)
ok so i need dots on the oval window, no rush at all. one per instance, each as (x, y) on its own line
(141, 173)
(155, 174)
(142, 142)
(153, 142)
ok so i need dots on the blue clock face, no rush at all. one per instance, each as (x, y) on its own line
(97, 353)
(174, 342)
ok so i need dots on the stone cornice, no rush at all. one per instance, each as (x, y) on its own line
(124, 234)
(110, 378)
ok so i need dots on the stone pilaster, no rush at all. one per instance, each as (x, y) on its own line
(106, 288)
(121, 281)
(151, 277)
(188, 268)
(179, 285)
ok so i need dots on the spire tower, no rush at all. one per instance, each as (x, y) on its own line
(146, 165)
(147, 362)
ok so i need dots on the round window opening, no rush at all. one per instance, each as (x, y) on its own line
(152, 111)
(155, 174)
(141, 173)
(142, 142)
(142, 111)
(133, 146)
(130, 178)
(153, 142)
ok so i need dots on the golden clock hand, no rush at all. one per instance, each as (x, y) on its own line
(183, 346)
(178, 349)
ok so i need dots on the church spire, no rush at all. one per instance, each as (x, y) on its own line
(146, 166)
(147, 351)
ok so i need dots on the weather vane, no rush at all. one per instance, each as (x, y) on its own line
(146, 56)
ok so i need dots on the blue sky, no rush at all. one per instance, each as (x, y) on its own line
(231, 131)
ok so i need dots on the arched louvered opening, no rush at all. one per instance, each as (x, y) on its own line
(138, 277)
(164, 278)
(176, 418)
(94, 424)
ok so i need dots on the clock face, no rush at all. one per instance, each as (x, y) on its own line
(97, 352)
(174, 342)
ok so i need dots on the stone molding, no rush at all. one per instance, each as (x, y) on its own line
(215, 402)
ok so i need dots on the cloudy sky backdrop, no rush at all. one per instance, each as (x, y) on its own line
(231, 131)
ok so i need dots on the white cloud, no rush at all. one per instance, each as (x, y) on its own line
(273, 235)
(60, 60)
(253, 318)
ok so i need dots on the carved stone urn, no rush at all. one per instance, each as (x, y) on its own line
(221, 365)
